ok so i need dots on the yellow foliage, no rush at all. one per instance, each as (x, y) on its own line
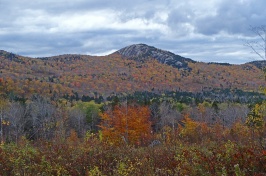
(190, 126)
(255, 118)
(5, 122)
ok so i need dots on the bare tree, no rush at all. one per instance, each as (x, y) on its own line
(41, 119)
(169, 116)
(17, 117)
(77, 121)
(155, 116)
(258, 46)
(232, 113)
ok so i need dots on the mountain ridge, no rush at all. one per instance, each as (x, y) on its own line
(138, 52)
(116, 73)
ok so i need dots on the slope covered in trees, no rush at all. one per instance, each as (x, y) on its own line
(94, 76)
(115, 115)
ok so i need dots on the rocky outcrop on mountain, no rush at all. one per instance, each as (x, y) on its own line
(141, 52)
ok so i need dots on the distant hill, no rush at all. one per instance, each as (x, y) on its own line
(217, 63)
(260, 64)
(134, 68)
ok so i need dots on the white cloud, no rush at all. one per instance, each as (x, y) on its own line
(102, 53)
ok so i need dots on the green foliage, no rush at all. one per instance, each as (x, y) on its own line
(91, 109)
(95, 172)
(238, 171)
(180, 106)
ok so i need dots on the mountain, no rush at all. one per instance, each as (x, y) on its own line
(134, 68)
(141, 52)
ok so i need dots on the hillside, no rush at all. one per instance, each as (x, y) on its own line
(260, 64)
(134, 68)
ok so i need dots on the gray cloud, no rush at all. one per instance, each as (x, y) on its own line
(208, 32)
(233, 17)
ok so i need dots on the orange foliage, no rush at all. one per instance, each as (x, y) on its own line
(126, 124)
(193, 130)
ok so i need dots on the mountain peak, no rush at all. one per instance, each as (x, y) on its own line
(143, 51)
(135, 50)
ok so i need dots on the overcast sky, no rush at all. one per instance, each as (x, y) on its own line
(209, 31)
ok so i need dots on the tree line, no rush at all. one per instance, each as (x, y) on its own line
(43, 118)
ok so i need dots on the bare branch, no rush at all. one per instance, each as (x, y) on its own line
(258, 46)
(250, 45)
(260, 31)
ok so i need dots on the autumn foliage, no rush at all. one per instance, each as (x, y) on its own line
(60, 75)
(126, 124)
(45, 130)
(236, 153)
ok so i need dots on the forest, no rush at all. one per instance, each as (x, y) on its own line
(85, 115)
